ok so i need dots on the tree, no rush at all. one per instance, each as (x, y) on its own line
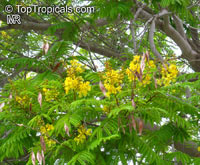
(101, 86)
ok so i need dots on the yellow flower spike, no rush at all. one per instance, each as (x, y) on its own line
(43, 130)
(169, 74)
(71, 83)
(50, 94)
(88, 132)
(151, 64)
(75, 68)
(45, 138)
(79, 130)
(198, 149)
(50, 142)
(112, 81)
(5, 35)
(83, 133)
(136, 58)
(159, 82)
(84, 88)
(133, 67)
(18, 99)
(49, 127)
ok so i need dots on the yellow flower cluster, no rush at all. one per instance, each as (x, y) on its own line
(5, 35)
(22, 100)
(147, 72)
(44, 131)
(50, 94)
(72, 83)
(169, 75)
(83, 133)
(74, 68)
(146, 80)
(49, 142)
(150, 64)
(75, 82)
(133, 67)
(112, 80)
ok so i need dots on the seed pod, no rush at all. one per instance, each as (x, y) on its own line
(133, 123)
(39, 157)
(40, 99)
(142, 65)
(103, 89)
(42, 143)
(33, 158)
(45, 47)
(43, 159)
(66, 129)
(147, 55)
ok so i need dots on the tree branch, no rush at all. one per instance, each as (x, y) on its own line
(133, 36)
(195, 37)
(179, 26)
(179, 40)
(151, 40)
(103, 51)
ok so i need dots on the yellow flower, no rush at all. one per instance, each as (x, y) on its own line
(23, 100)
(18, 99)
(50, 94)
(88, 132)
(74, 68)
(136, 58)
(49, 127)
(75, 82)
(112, 80)
(146, 80)
(80, 138)
(84, 87)
(133, 67)
(71, 83)
(198, 149)
(130, 74)
(83, 133)
(159, 82)
(169, 74)
(151, 64)
(5, 35)
(111, 89)
(43, 130)
(50, 142)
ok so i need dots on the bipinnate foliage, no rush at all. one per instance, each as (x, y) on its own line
(78, 122)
